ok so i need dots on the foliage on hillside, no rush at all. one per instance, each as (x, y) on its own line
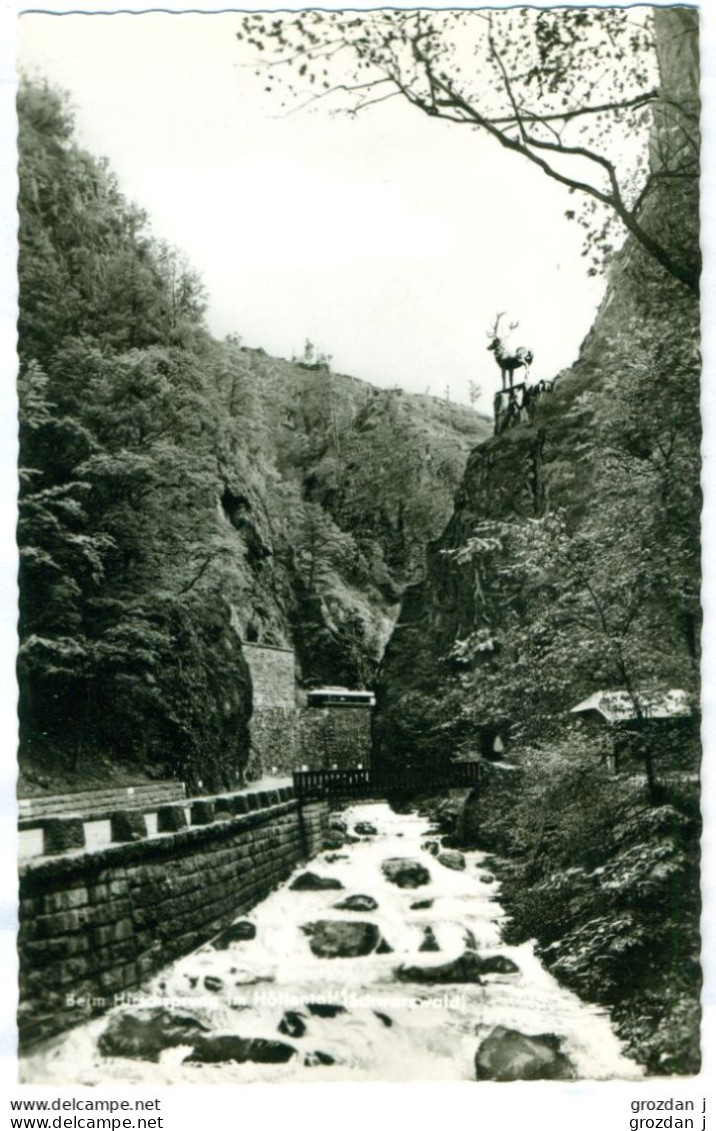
(179, 494)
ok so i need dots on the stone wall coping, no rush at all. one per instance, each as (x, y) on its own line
(97, 801)
(79, 861)
(128, 790)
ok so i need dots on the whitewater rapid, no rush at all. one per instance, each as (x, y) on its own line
(387, 1030)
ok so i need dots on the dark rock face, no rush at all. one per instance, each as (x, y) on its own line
(236, 932)
(334, 838)
(510, 1055)
(341, 938)
(325, 1009)
(225, 1047)
(405, 873)
(465, 969)
(452, 859)
(144, 1033)
(292, 1024)
(364, 828)
(357, 903)
(309, 881)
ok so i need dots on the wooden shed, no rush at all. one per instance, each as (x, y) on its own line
(668, 724)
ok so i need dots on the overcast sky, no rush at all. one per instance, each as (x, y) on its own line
(391, 241)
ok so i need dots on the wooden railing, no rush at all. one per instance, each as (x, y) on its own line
(381, 782)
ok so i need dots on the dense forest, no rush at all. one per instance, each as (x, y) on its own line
(180, 494)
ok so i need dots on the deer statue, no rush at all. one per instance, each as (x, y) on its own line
(508, 362)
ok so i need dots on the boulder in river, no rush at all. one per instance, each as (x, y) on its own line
(332, 857)
(144, 1033)
(469, 967)
(338, 823)
(466, 968)
(235, 932)
(309, 881)
(336, 839)
(488, 878)
(405, 873)
(325, 1009)
(498, 964)
(452, 859)
(387, 1021)
(341, 938)
(507, 1054)
(212, 983)
(422, 904)
(292, 1024)
(364, 828)
(357, 903)
(226, 1046)
(429, 941)
(431, 846)
(250, 977)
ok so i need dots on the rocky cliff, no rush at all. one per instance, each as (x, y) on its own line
(570, 564)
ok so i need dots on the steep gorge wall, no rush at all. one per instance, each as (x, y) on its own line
(548, 464)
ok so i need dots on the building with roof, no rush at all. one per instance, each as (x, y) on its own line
(666, 721)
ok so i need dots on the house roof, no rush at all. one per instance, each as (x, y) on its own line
(617, 706)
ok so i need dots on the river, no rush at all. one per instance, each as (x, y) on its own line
(384, 1029)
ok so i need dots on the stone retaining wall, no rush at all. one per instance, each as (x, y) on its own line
(284, 740)
(97, 924)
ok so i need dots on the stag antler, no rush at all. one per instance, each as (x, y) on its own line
(493, 332)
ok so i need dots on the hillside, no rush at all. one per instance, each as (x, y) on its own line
(572, 564)
(180, 494)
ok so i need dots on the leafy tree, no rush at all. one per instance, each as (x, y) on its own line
(571, 91)
(321, 549)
